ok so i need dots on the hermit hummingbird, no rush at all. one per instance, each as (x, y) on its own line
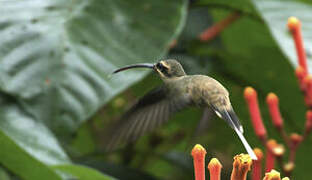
(178, 91)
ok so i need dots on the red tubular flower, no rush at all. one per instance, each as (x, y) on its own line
(272, 101)
(213, 31)
(308, 124)
(270, 158)
(241, 166)
(199, 154)
(214, 167)
(308, 90)
(294, 26)
(300, 76)
(256, 171)
(251, 98)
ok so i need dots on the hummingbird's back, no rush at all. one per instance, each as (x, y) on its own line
(204, 90)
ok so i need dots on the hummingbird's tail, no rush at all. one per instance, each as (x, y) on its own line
(246, 145)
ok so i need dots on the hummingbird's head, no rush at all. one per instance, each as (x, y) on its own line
(169, 68)
(166, 69)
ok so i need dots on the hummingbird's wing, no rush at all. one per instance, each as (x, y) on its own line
(151, 111)
(204, 122)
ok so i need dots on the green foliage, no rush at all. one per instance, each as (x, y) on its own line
(82, 173)
(56, 59)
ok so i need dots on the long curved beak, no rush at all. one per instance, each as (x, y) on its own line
(143, 65)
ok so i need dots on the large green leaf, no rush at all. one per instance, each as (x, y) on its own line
(73, 46)
(55, 60)
(82, 172)
(27, 146)
(276, 12)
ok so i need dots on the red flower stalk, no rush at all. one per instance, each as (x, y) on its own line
(270, 157)
(199, 154)
(272, 101)
(308, 124)
(294, 26)
(241, 166)
(251, 98)
(300, 76)
(256, 171)
(308, 87)
(272, 175)
(213, 31)
(214, 167)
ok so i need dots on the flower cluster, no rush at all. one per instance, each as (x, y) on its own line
(241, 165)
(275, 151)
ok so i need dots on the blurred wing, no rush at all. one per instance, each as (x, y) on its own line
(204, 122)
(150, 112)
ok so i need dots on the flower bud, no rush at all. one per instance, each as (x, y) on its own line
(272, 101)
(214, 167)
(199, 154)
(294, 26)
(251, 98)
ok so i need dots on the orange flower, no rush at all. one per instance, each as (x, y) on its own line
(241, 166)
(270, 157)
(251, 98)
(294, 26)
(199, 154)
(256, 171)
(272, 101)
(214, 167)
(217, 28)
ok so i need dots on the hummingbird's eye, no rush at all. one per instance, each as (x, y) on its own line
(161, 67)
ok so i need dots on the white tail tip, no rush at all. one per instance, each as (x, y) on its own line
(246, 145)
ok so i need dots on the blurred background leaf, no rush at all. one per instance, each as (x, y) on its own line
(56, 59)
(276, 13)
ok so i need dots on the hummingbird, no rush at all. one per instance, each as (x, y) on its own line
(178, 91)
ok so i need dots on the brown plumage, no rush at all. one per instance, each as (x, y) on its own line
(178, 92)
